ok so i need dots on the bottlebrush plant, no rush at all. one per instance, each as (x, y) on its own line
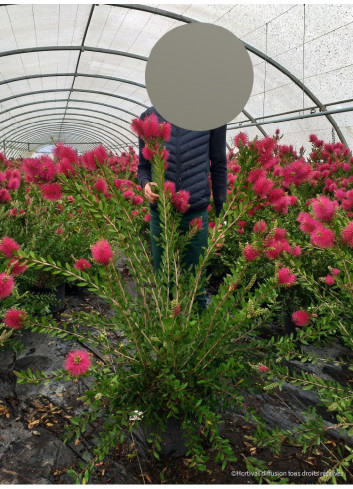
(301, 224)
(178, 362)
(42, 219)
(15, 308)
(47, 228)
(183, 363)
(283, 185)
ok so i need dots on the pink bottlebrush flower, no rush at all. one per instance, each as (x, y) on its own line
(64, 166)
(275, 195)
(169, 187)
(282, 204)
(151, 126)
(307, 223)
(134, 213)
(271, 163)
(196, 222)
(138, 127)
(280, 233)
(262, 186)
(181, 200)
(129, 194)
(296, 172)
(14, 318)
(102, 252)
(209, 208)
(285, 277)
(295, 251)
(322, 237)
(4, 195)
(77, 362)
(51, 191)
(165, 131)
(62, 151)
(278, 171)
(6, 285)
(59, 231)
(254, 175)
(147, 217)
(88, 161)
(347, 234)
(250, 253)
(101, 185)
(278, 247)
(263, 368)
(347, 204)
(12, 212)
(147, 153)
(241, 224)
(16, 268)
(335, 271)
(100, 154)
(8, 246)
(70, 199)
(46, 169)
(13, 183)
(118, 182)
(346, 166)
(243, 137)
(137, 200)
(324, 208)
(293, 199)
(236, 168)
(82, 264)
(212, 224)
(300, 318)
(329, 279)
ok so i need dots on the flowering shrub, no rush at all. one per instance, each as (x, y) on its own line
(282, 219)
(300, 225)
(178, 362)
(15, 310)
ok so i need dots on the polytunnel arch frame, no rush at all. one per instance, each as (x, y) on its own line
(172, 15)
(34, 126)
(77, 114)
(79, 129)
(81, 49)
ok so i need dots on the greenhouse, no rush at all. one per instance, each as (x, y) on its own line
(176, 301)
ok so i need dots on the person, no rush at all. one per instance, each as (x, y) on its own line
(193, 157)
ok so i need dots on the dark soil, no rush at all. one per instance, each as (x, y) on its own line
(290, 463)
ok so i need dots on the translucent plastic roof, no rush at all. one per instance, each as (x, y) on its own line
(76, 73)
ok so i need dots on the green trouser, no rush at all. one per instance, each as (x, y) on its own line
(194, 249)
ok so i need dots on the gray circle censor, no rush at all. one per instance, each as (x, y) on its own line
(199, 76)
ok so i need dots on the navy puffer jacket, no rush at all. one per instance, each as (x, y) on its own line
(190, 153)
